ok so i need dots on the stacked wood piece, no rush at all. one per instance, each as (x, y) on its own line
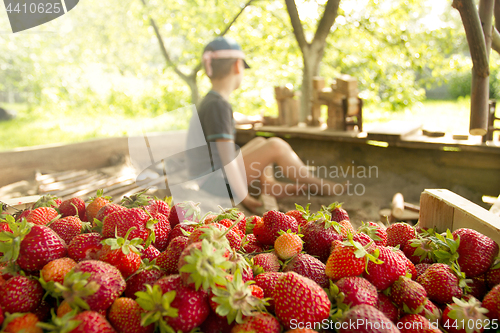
(288, 106)
(341, 98)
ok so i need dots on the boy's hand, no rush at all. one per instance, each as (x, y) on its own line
(251, 203)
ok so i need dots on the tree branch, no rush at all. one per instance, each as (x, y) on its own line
(496, 13)
(495, 40)
(298, 30)
(163, 48)
(474, 34)
(486, 16)
(198, 66)
(326, 21)
(235, 18)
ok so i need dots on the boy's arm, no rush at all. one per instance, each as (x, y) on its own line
(235, 173)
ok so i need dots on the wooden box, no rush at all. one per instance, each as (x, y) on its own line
(442, 209)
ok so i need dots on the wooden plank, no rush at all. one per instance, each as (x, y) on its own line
(442, 209)
(394, 130)
(21, 203)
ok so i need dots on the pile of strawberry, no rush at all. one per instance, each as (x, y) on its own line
(146, 265)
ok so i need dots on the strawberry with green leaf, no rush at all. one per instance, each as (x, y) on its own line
(465, 316)
(122, 253)
(125, 314)
(442, 283)
(387, 269)
(348, 258)
(262, 322)
(96, 203)
(375, 232)
(319, 235)
(408, 295)
(203, 265)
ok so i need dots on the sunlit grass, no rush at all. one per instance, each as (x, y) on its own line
(39, 128)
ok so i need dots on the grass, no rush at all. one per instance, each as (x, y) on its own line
(32, 128)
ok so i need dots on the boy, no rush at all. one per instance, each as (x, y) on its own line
(224, 64)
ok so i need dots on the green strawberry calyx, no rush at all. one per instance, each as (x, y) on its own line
(124, 243)
(157, 306)
(371, 230)
(100, 194)
(10, 242)
(206, 266)
(447, 247)
(64, 324)
(235, 300)
(47, 200)
(139, 199)
(465, 311)
(76, 288)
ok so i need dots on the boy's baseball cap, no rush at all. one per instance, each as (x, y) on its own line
(222, 48)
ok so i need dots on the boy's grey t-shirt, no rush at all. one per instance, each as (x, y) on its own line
(217, 122)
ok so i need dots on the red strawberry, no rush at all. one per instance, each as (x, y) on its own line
(251, 244)
(22, 322)
(178, 231)
(122, 253)
(92, 322)
(287, 245)
(125, 316)
(216, 324)
(267, 281)
(385, 305)
(168, 260)
(20, 294)
(23, 214)
(383, 274)
(262, 322)
(354, 290)
(150, 253)
(309, 267)
(414, 323)
(251, 222)
(375, 232)
(67, 227)
(421, 268)
(493, 276)
(42, 215)
(365, 318)
(300, 215)
(275, 222)
(105, 279)
(347, 259)
(40, 246)
(492, 302)
(85, 246)
(138, 281)
(184, 211)
(400, 234)
(107, 210)
(478, 287)
(464, 317)
(338, 213)
(72, 207)
(157, 206)
(441, 283)
(318, 237)
(95, 205)
(408, 295)
(161, 229)
(262, 234)
(228, 223)
(265, 262)
(233, 214)
(292, 289)
(57, 269)
(192, 305)
(123, 220)
(431, 311)
(476, 252)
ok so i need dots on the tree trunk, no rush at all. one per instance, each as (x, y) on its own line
(312, 60)
(193, 86)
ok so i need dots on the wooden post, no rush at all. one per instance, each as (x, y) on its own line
(318, 85)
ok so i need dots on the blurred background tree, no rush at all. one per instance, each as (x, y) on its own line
(104, 60)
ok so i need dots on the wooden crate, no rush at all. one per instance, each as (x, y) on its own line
(442, 209)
